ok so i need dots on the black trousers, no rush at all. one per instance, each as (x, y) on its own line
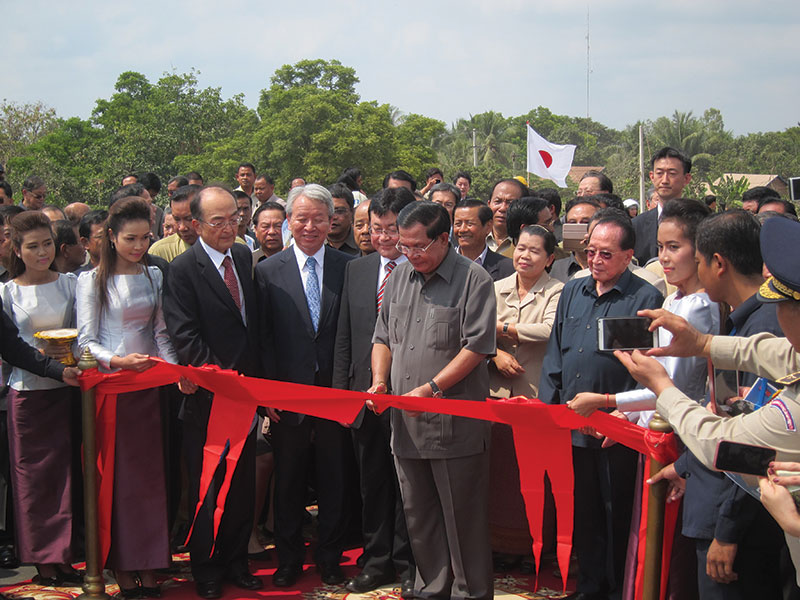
(230, 551)
(604, 486)
(386, 546)
(293, 444)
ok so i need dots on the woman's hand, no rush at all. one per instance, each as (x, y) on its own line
(784, 480)
(677, 484)
(507, 364)
(780, 504)
(186, 386)
(132, 362)
(586, 403)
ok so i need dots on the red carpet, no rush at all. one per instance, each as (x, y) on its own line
(179, 585)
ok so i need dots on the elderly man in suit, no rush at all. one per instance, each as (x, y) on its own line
(210, 311)
(472, 223)
(671, 172)
(387, 553)
(299, 292)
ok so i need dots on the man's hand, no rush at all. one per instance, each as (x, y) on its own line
(686, 340)
(507, 364)
(70, 375)
(719, 562)
(677, 484)
(186, 386)
(274, 414)
(378, 388)
(422, 391)
(586, 403)
(647, 371)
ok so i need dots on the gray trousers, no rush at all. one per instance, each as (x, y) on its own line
(446, 503)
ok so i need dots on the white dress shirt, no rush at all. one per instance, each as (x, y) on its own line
(216, 258)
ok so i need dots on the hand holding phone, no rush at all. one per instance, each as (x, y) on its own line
(743, 458)
(625, 333)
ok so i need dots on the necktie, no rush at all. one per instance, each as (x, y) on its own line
(230, 281)
(389, 266)
(312, 291)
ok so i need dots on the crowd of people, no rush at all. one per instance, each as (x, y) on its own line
(426, 292)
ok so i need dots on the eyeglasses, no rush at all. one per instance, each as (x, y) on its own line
(233, 223)
(341, 211)
(604, 254)
(408, 251)
(388, 232)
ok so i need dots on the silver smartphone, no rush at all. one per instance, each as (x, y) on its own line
(625, 333)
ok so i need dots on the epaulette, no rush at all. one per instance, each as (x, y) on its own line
(789, 379)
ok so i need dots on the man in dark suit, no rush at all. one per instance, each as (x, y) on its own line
(299, 291)
(671, 172)
(387, 552)
(210, 311)
(472, 223)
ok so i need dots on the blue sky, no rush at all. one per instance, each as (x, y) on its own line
(444, 59)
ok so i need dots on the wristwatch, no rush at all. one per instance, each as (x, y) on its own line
(505, 327)
(435, 389)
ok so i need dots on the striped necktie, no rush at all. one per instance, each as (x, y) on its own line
(389, 267)
(312, 291)
(230, 281)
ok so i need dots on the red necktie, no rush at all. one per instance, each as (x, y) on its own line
(230, 281)
(389, 266)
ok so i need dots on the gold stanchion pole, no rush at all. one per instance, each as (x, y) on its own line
(657, 496)
(94, 585)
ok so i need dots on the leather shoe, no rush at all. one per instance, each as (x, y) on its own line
(363, 583)
(407, 589)
(331, 574)
(585, 596)
(246, 581)
(209, 589)
(286, 575)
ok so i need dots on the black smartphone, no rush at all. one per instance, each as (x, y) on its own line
(743, 458)
(625, 333)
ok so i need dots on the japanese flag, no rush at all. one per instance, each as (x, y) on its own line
(549, 161)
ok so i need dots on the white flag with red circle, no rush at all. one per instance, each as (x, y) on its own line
(547, 160)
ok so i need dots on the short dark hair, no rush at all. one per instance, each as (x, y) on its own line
(246, 165)
(577, 200)
(353, 172)
(431, 171)
(270, 205)
(347, 181)
(400, 175)
(127, 191)
(667, 152)
(687, 213)
(759, 194)
(733, 235)
(180, 180)
(484, 212)
(151, 182)
(134, 175)
(547, 236)
(93, 217)
(185, 192)
(9, 211)
(265, 177)
(194, 175)
(552, 196)
(524, 211)
(524, 191)
(390, 200)
(32, 182)
(788, 206)
(610, 200)
(240, 195)
(464, 175)
(64, 233)
(432, 216)
(7, 188)
(341, 190)
(618, 218)
(54, 207)
(768, 214)
(605, 182)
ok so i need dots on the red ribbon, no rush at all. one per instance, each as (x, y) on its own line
(541, 435)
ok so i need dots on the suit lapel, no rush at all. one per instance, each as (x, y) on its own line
(209, 272)
(328, 278)
(293, 285)
(244, 269)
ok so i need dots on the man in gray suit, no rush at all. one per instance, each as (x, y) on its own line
(435, 329)
(387, 553)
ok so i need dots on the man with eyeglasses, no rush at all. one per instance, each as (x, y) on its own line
(211, 314)
(435, 329)
(34, 191)
(604, 477)
(185, 234)
(387, 553)
(340, 235)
